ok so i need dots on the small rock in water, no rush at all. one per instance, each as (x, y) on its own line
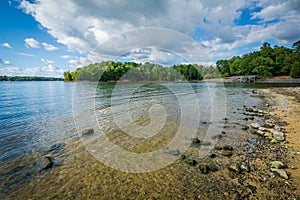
(203, 168)
(234, 167)
(174, 152)
(267, 125)
(196, 141)
(260, 133)
(280, 172)
(255, 125)
(227, 147)
(218, 147)
(276, 164)
(191, 162)
(43, 163)
(227, 153)
(244, 168)
(88, 132)
(278, 135)
(182, 157)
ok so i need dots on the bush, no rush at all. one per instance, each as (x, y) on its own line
(295, 71)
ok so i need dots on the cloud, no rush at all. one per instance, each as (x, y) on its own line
(47, 62)
(26, 54)
(6, 45)
(4, 62)
(47, 70)
(30, 42)
(90, 23)
(49, 47)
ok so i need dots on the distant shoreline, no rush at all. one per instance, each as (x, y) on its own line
(29, 78)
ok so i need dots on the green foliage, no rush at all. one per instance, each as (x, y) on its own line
(131, 71)
(29, 78)
(295, 71)
(266, 62)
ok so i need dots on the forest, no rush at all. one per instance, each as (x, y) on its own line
(29, 78)
(267, 62)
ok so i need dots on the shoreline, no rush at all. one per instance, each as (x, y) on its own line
(287, 107)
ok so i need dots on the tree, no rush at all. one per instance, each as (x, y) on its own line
(295, 71)
(296, 46)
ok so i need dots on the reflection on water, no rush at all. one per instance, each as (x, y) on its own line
(36, 115)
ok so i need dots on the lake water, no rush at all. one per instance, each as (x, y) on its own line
(34, 116)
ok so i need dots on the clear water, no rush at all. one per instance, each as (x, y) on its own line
(36, 115)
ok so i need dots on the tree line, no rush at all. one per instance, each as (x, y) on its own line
(29, 78)
(131, 71)
(266, 62)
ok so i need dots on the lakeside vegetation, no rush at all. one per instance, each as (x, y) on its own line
(29, 78)
(266, 62)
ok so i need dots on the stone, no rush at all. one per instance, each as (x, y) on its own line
(203, 168)
(244, 168)
(88, 132)
(234, 167)
(227, 153)
(227, 147)
(268, 125)
(196, 141)
(264, 129)
(174, 152)
(260, 133)
(277, 135)
(280, 172)
(182, 157)
(255, 125)
(268, 134)
(191, 162)
(276, 164)
(212, 155)
(42, 163)
(218, 147)
(212, 167)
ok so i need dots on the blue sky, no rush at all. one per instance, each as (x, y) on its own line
(45, 37)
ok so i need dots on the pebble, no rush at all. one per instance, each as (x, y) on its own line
(276, 164)
(280, 172)
(88, 132)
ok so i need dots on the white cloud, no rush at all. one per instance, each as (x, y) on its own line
(47, 62)
(6, 45)
(4, 62)
(86, 24)
(49, 47)
(47, 70)
(26, 54)
(30, 42)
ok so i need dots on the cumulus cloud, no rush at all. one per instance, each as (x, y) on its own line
(31, 42)
(7, 45)
(47, 62)
(88, 23)
(4, 62)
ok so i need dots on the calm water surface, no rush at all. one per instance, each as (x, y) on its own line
(36, 115)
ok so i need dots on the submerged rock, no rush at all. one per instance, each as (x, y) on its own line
(87, 132)
(174, 152)
(205, 168)
(255, 125)
(280, 172)
(42, 163)
(276, 164)
(234, 167)
(227, 147)
(227, 153)
(191, 162)
(196, 141)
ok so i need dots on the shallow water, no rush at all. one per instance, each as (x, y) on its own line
(36, 115)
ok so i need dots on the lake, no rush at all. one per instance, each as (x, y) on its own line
(138, 127)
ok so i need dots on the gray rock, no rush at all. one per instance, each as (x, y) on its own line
(276, 164)
(255, 125)
(280, 172)
(43, 163)
(277, 135)
(227, 147)
(268, 134)
(88, 132)
(174, 152)
(260, 133)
